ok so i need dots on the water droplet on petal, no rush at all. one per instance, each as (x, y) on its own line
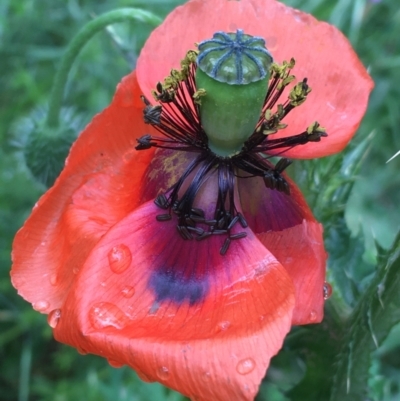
(105, 314)
(300, 16)
(119, 258)
(75, 270)
(41, 306)
(327, 291)
(18, 281)
(206, 376)
(223, 326)
(129, 155)
(313, 315)
(281, 311)
(53, 318)
(271, 43)
(245, 366)
(128, 291)
(81, 351)
(115, 364)
(53, 279)
(233, 27)
(163, 373)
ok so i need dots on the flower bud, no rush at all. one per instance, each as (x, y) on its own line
(46, 150)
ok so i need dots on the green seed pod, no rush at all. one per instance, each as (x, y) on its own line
(233, 68)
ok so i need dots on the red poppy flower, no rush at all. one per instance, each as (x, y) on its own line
(118, 280)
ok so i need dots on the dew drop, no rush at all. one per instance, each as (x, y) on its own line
(327, 290)
(233, 27)
(223, 326)
(245, 366)
(128, 291)
(313, 315)
(271, 42)
(119, 258)
(53, 318)
(129, 155)
(105, 314)
(53, 279)
(163, 373)
(115, 364)
(300, 17)
(75, 270)
(206, 376)
(18, 281)
(281, 311)
(81, 351)
(246, 388)
(41, 306)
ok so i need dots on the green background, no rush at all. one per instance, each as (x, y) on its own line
(33, 37)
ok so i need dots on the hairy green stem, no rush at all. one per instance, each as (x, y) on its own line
(76, 45)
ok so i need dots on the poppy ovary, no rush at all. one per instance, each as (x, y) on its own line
(233, 70)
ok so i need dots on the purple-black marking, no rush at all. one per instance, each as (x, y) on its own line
(172, 285)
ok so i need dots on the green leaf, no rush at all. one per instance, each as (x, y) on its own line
(346, 267)
(327, 184)
(318, 345)
(377, 311)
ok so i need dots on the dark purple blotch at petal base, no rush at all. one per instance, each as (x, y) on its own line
(266, 209)
(172, 284)
(181, 270)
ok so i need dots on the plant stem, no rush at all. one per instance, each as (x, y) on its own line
(76, 45)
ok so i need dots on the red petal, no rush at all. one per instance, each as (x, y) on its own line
(216, 348)
(94, 191)
(301, 251)
(271, 210)
(340, 84)
(287, 228)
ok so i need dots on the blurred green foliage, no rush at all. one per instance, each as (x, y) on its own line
(356, 195)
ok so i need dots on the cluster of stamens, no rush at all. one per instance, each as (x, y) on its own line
(192, 224)
(177, 117)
